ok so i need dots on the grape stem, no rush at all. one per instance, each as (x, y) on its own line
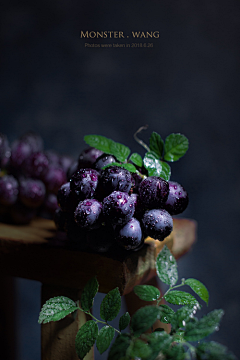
(139, 140)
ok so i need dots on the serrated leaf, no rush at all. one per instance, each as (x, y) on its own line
(89, 291)
(86, 337)
(198, 288)
(147, 292)
(105, 336)
(136, 159)
(167, 314)
(213, 351)
(158, 341)
(166, 267)
(176, 145)
(156, 144)
(56, 309)
(144, 318)
(198, 330)
(119, 347)
(99, 142)
(176, 352)
(120, 151)
(182, 316)
(124, 321)
(140, 349)
(110, 305)
(178, 297)
(156, 167)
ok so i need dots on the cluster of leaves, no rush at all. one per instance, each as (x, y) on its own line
(158, 344)
(156, 159)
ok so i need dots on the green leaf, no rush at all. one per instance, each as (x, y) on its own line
(136, 159)
(124, 321)
(198, 330)
(176, 352)
(182, 316)
(89, 291)
(158, 341)
(167, 314)
(180, 298)
(147, 292)
(86, 337)
(156, 167)
(119, 347)
(120, 151)
(110, 305)
(140, 349)
(156, 144)
(166, 267)
(175, 147)
(198, 288)
(129, 167)
(213, 351)
(105, 336)
(99, 142)
(56, 309)
(144, 318)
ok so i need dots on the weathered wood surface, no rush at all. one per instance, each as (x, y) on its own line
(36, 252)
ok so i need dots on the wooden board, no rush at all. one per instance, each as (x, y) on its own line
(37, 252)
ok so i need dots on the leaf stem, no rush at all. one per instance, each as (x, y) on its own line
(170, 288)
(139, 140)
(99, 321)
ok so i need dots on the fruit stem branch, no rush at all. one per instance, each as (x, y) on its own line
(139, 140)
(99, 321)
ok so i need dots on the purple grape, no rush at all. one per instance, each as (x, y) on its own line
(129, 236)
(73, 168)
(118, 208)
(88, 214)
(177, 200)
(66, 162)
(34, 140)
(114, 178)
(53, 157)
(153, 192)
(84, 183)
(36, 165)
(104, 160)
(8, 190)
(157, 223)
(50, 203)
(53, 178)
(20, 152)
(88, 157)
(32, 192)
(66, 198)
(136, 181)
(139, 206)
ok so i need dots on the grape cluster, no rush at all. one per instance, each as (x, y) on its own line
(30, 178)
(102, 206)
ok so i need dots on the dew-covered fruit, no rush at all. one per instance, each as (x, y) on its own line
(157, 223)
(88, 214)
(36, 165)
(88, 157)
(177, 200)
(153, 192)
(84, 183)
(8, 190)
(66, 198)
(103, 160)
(114, 178)
(136, 181)
(129, 236)
(118, 208)
(32, 192)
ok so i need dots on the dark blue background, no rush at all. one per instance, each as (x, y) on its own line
(188, 83)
